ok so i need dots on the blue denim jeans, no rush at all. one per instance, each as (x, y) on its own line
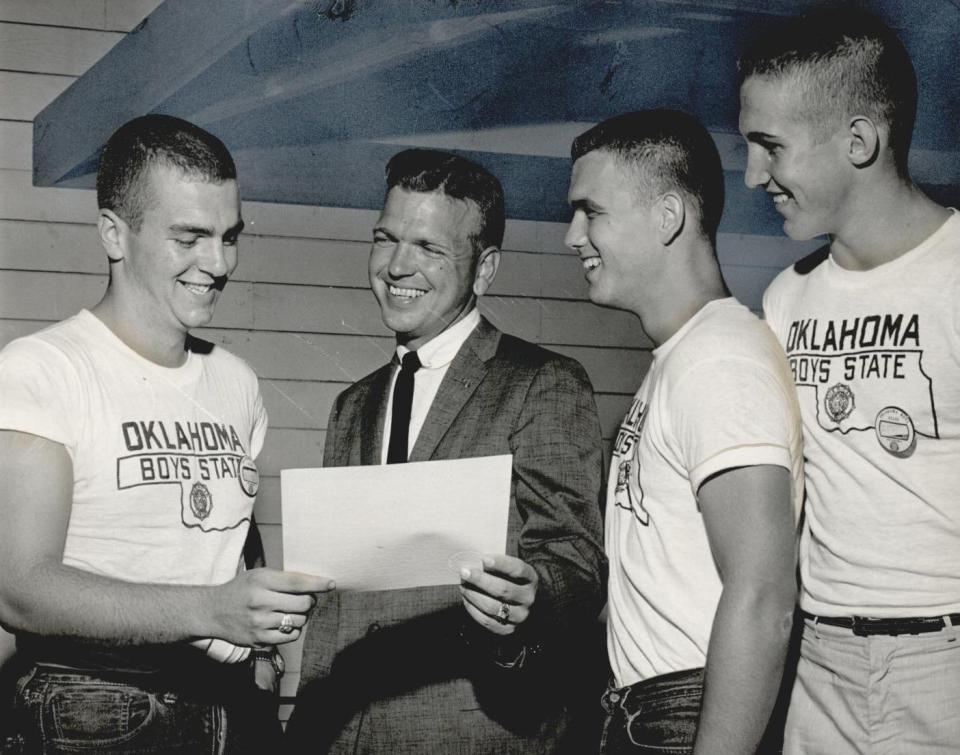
(656, 715)
(60, 710)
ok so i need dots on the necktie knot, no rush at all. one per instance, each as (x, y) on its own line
(410, 362)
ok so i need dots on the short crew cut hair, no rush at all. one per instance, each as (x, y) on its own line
(845, 61)
(428, 170)
(666, 150)
(150, 141)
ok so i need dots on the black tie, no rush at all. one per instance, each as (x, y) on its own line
(402, 401)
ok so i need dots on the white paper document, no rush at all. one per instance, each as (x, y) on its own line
(391, 526)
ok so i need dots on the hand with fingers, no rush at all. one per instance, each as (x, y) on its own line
(499, 596)
(265, 606)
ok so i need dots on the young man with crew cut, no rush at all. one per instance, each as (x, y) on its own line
(127, 452)
(706, 477)
(871, 327)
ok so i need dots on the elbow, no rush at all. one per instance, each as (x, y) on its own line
(771, 604)
(14, 614)
(20, 591)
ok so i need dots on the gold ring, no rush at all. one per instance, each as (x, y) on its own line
(503, 615)
(286, 624)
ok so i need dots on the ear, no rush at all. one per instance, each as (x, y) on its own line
(487, 266)
(864, 141)
(113, 234)
(671, 210)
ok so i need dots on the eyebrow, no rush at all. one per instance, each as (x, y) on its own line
(583, 204)
(759, 136)
(196, 230)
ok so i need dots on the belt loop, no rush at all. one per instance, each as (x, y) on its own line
(948, 621)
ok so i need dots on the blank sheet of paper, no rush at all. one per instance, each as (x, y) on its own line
(392, 526)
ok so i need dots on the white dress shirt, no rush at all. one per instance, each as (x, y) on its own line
(435, 358)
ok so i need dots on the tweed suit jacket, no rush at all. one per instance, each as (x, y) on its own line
(397, 671)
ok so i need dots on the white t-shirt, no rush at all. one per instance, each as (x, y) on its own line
(164, 479)
(718, 395)
(876, 359)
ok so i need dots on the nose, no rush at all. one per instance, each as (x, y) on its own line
(576, 236)
(401, 260)
(216, 258)
(756, 173)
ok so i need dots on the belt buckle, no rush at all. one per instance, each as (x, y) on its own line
(859, 626)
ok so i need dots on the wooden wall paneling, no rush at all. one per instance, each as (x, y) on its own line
(612, 408)
(344, 359)
(304, 356)
(303, 261)
(295, 404)
(112, 15)
(576, 322)
(272, 544)
(16, 139)
(23, 95)
(611, 370)
(290, 449)
(777, 252)
(53, 296)
(55, 247)
(317, 309)
(11, 329)
(47, 296)
(21, 200)
(89, 14)
(52, 49)
(307, 221)
(267, 508)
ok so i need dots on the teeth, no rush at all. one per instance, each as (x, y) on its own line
(779, 199)
(591, 263)
(196, 288)
(409, 293)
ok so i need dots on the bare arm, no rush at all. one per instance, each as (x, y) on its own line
(39, 594)
(749, 521)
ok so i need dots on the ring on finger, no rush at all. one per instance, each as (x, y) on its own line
(286, 624)
(503, 614)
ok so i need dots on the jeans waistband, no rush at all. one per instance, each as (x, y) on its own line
(863, 626)
(657, 685)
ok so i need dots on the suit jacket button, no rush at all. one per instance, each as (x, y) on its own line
(374, 627)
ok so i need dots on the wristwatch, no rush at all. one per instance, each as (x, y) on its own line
(271, 656)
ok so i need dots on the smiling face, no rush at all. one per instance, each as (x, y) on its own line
(423, 268)
(173, 268)
(808, 178)
(612, 230)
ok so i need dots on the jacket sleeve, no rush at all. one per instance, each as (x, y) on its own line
(558, 471)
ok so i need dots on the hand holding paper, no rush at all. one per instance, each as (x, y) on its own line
(499, 595)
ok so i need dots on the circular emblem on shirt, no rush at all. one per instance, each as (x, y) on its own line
(838, 402)
(895, 431)
(249, 476)
(201, 502)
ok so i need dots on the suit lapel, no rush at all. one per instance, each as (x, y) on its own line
(465, 373)
(373, 416)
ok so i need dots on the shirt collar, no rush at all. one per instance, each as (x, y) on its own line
(442, 348)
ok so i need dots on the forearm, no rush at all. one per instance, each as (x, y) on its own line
(59, 600)
(744, 667)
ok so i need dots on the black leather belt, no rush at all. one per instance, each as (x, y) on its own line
(863, 627)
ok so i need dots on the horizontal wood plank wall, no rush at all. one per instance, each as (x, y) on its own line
(298, 309)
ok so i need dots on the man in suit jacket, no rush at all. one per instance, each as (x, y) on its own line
(494, 665)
